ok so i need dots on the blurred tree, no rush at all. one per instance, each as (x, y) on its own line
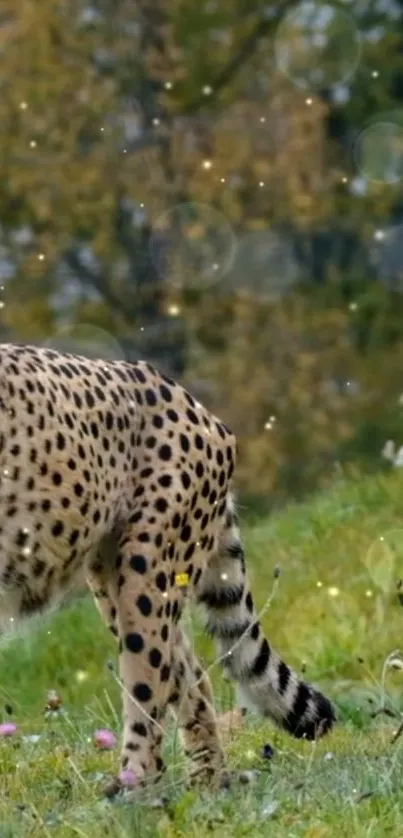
(281, 387)
(88, 120)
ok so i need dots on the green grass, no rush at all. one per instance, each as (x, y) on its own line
(336, 615)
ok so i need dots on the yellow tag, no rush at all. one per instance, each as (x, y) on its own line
(182, 579)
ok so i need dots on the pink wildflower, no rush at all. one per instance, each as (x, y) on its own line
(8, 729)
(104, 739)
(127, 778)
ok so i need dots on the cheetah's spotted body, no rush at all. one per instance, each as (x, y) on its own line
(112, 470)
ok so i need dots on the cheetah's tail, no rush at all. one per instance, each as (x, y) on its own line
(264, 680)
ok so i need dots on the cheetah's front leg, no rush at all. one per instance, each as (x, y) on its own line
(99, 582)
(143, 620)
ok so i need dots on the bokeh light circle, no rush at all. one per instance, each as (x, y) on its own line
(384, 560)
(378, 150)
(193, 245)
(317, 45)
(265, 268)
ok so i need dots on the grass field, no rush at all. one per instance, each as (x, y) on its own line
(336, 614)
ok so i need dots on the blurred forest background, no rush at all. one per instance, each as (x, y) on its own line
(216, 186)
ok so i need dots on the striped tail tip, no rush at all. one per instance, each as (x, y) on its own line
(312, 715)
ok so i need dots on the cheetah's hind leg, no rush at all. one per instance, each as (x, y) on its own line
(192, 703)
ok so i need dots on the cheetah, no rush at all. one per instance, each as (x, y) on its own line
(113, 473)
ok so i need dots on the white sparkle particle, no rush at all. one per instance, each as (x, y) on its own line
(353, 306)
(2, 304)
(261, 183)
(268, 426)
(11, 619)
(32, 144)
(41, 256)
(207, 90)
(374, 74)
(156, 121)
(23, 106)
(224, 576)
(368, 593)
(262, 119)
(102, 129)
(173, 310)
(207, 164)
(165, 594)
(222, 180)
(319, 584)
(381, 538)
(379, 235)
(216, 266)
(5, 472)
(26, 552)
(168, 85)
(308, 101)
(333, 591)
(344, 180)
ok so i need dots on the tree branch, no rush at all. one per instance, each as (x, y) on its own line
(235, 64)
(99, 282)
